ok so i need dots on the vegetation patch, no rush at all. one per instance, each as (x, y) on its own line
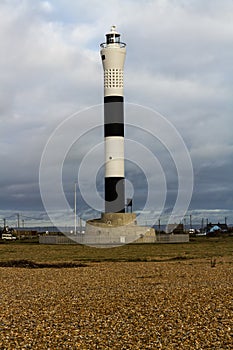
(178, 258)
(34, 265)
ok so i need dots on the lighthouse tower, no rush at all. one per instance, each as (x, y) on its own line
(115, 225)
(113, 53)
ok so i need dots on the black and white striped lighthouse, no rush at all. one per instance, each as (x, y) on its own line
(113, 53)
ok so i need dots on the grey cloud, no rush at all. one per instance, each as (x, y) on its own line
(178, 62)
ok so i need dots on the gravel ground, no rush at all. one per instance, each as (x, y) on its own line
(137, 305)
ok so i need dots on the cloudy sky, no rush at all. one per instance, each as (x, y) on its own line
(179, 64)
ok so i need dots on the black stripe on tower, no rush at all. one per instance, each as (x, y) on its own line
(113, 116)
(114, 195)
(114, 126)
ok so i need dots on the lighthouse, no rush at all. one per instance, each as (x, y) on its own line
(113, 53)
(115, 226)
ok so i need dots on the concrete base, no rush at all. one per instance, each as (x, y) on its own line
(114, 229)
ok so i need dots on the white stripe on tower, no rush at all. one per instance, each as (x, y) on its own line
(113, 57)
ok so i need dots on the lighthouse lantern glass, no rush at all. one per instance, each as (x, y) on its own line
(113, 38)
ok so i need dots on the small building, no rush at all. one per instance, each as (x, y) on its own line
(216, 227)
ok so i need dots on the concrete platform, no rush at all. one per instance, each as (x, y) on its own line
(114, 229)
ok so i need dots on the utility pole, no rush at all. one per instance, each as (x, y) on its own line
(80, 225)
(18, 223)
(75, 208)
(190, 221)
(4, 223)
(159, 222)
(185, 224)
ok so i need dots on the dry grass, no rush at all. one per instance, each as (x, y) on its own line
(200, 248)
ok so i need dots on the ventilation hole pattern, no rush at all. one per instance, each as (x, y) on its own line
(113, 78)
